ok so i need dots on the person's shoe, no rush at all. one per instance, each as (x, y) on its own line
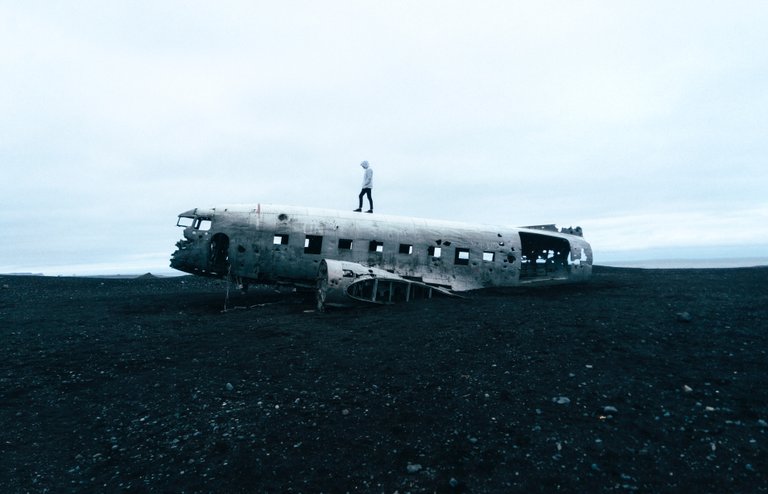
(369, 211)
(357, 210)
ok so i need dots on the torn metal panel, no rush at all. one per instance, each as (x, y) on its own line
(341, 284)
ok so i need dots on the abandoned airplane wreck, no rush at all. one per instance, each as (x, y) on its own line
(350, 258)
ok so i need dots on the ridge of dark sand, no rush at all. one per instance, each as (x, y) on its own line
(146, 386)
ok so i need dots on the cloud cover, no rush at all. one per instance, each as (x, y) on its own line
(643, 122)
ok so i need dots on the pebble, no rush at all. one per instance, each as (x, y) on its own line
(684, 317)
(762, 423)
(687, 388)
(561, 400)
(610, 409)
(229, 387)
(413, 467)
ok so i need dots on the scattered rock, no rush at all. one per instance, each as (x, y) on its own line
(684, 317)
(127, 417)
(413, 467)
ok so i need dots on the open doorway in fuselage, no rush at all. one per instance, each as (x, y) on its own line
(543, 256)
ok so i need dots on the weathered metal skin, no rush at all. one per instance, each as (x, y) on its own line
(343, 283)
(288, 244)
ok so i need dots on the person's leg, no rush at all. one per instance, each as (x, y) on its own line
(360, 201)
(370, 199)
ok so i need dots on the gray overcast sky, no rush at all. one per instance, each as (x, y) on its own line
(645, 122)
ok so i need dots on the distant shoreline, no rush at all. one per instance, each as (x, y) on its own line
(725, 263)
(742, 262)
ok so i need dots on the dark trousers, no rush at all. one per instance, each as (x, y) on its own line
(365, 191)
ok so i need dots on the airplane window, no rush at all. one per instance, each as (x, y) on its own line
(434, 251)
(345, 244)
(184, 221)
(313, 244)
(462, 256)
(488, 256)
(203, 225)
(406, 249)
(280, 239)
(376, 246)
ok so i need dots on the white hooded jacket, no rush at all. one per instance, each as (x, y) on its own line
(367, 176)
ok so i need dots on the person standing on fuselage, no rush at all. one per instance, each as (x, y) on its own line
(367, 186)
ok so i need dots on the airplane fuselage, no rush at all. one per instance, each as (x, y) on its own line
(287, 244)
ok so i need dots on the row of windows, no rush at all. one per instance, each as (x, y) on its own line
(313, 245)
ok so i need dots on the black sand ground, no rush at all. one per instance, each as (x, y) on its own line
(147, 386)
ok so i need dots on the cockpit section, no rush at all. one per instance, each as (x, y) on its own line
(196, 223)
(201, 251)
